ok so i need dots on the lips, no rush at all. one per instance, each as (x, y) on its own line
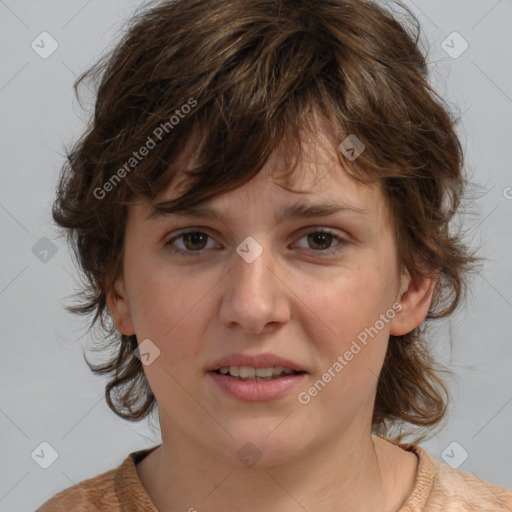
(256, 390)
(257, 361)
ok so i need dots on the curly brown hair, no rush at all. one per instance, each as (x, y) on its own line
(250, 73)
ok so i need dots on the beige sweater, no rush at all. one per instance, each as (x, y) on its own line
(438, 488)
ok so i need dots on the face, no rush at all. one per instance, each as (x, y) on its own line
(322, 292)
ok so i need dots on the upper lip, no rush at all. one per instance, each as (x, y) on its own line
(256, 361)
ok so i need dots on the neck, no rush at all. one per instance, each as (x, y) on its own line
(342, 476)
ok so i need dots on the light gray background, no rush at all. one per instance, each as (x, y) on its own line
(48, 393)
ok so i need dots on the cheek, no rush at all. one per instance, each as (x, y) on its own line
(158, 292)
(171, 308)
(348, 313)
(341, 308)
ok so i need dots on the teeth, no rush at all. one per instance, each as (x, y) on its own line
(244, 371)
(263, 372)
(248, 373)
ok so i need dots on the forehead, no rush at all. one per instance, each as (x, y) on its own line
(320, 177)
(318, 182)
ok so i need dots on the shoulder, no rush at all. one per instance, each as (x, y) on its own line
(440, 488)
(89, 495)
(453, 488)
(115, 490)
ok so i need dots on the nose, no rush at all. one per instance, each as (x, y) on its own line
(255, 296)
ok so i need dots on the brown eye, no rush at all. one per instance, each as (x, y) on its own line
(320, 240)
(192, 243)
(195, 240)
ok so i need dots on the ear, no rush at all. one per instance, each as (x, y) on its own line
(117, 303)
(415, 298)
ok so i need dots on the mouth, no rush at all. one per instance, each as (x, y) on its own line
(247, 373)
(251, 384)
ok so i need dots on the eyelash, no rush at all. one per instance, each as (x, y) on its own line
(321, 252)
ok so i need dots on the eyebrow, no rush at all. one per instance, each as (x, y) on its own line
(297, 211)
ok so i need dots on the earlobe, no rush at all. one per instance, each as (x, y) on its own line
(415, 299)
(119, 308)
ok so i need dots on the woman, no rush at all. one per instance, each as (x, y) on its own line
(262, 209)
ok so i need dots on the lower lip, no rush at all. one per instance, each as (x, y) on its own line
(256, 391)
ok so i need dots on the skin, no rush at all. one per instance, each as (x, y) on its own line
(290, 301)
